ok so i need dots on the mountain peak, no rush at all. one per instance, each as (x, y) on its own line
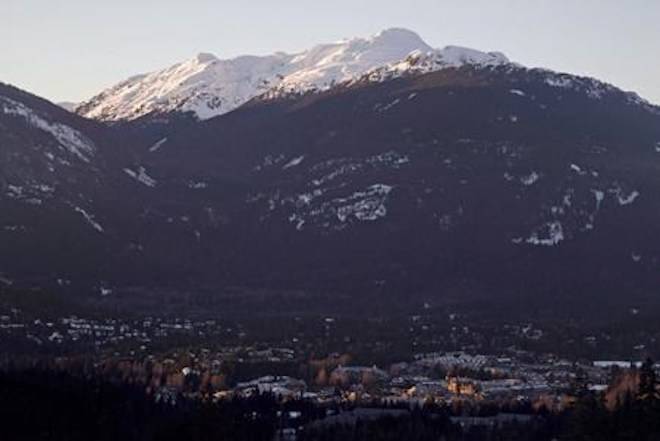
(400, 36)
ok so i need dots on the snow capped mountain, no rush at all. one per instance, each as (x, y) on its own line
(208, 86)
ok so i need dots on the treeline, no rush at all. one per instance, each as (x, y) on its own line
(634, 416)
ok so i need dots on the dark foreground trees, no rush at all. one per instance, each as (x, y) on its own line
(45, 405)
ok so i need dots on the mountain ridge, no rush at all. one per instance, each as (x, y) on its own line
(208, 86)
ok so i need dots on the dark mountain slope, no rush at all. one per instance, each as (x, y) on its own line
(457, 185)
(492, 181)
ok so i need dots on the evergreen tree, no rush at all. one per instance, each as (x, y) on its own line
(648, 382)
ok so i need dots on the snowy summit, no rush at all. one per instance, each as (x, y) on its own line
(209, 86)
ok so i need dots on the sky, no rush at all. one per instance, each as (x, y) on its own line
(69, 50)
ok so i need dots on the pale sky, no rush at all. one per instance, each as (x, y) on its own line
(68, 50)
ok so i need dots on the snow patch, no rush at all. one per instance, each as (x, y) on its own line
(577, 169)
(594, 89)
(14, 228)
(622, 196)
(5, 280)
(549, 234)
(385, 107)
(369, 204)
(269, 161)
(157, 145)
(90, 219)
(530, 179)
(141, 176)
(560, 81)
(299, 221)
(293, 162)
(600, 196)
(197, 185)
(627, 199)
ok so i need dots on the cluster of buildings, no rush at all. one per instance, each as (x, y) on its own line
(482, 377)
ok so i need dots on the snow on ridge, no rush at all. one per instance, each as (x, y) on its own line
(595, 89)
(420, 62)
(67, 137)
(592, 87)
(209, 86)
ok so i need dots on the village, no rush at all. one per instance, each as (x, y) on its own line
(215, 359)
